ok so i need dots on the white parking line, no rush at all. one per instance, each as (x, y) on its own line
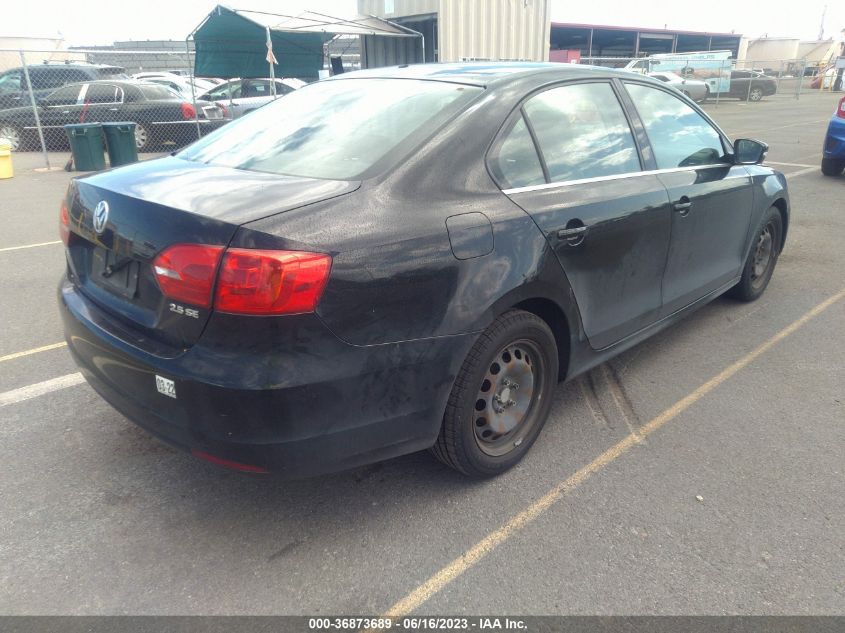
(802, 172)
(35, 350)
(17, 248)
(40, 388)
(771, 162)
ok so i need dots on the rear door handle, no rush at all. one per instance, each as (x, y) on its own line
(566, 234)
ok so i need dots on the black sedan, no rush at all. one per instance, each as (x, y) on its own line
(750, 86)
(160, 115)
(410, 258)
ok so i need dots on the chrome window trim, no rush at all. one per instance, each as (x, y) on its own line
(630, 174)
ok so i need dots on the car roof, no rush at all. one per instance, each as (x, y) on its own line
(488, 73)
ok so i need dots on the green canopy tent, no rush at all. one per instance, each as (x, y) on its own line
(233, 43)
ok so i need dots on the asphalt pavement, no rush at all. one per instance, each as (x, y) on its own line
(701, 472)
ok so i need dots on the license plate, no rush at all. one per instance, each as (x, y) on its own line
(213, 113)
(166, 386)
(118, 274)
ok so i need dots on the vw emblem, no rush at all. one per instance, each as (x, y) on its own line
(101, 216)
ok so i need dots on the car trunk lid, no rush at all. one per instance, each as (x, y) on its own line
(121, 220)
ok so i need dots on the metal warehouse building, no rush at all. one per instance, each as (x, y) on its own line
(461, 30)
(616, 41)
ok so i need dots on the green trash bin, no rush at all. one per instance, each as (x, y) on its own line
(120, 142)
(86, 144)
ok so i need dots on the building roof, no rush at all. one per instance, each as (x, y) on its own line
(602, 27)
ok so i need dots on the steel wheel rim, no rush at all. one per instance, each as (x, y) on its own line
(11, 135)
(756, 94)
(141, 136)
(763, 255)
(508, 398)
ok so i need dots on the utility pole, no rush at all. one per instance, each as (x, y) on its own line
(821, 26)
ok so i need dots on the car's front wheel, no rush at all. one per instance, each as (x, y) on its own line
(501, 396)
(755, 94)
(830, 166)
(762, 259)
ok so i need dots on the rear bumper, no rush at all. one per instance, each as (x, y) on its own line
(298, 405)
(834, 140)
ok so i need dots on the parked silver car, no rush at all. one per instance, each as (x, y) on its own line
(241, 96)
(693, 88)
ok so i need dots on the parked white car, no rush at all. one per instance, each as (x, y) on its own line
(693, 88)
(241, 96)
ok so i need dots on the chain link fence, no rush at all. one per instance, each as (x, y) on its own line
(42, 91)
(715, 80)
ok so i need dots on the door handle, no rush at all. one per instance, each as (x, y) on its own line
(568, 234)
(574, 233)
(683, 206)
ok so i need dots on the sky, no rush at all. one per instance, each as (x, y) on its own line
(104, 21)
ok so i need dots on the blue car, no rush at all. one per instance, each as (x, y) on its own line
(833, 157)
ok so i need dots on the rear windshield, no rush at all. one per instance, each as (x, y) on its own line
(154, 92)
(333, 129)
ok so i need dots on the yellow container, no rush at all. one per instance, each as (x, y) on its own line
(6, 159)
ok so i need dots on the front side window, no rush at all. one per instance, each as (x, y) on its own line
(582, 132)
(11, 82)
(679, 136)
(515, 163)
(336, 129)
(223, 91)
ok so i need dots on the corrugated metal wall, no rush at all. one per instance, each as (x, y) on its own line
(400, 7)
(494, 30)
(378, 51)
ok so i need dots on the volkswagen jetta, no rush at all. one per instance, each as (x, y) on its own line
(407, 258)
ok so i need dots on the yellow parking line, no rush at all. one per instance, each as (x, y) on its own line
(17, 248)
(478, 551)
(45, 348)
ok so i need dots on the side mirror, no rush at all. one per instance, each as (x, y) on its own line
(749, 152)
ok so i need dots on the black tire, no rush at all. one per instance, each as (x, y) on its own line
(519, 346)
(832, 166)
(762, 258)
(755, 94)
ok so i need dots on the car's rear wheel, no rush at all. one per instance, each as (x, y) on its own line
(12, 133)
(143, 140)
(830, 166)
(755, 94)
(501, 397)
(762, 259)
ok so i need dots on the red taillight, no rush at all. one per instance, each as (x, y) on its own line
(840, 109)
(64, 223)
(223, 108)
(271, 282)
(188, 111)
(185, 272)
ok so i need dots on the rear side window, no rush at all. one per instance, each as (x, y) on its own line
(679, 136)
(515, 163)
(582, 132)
